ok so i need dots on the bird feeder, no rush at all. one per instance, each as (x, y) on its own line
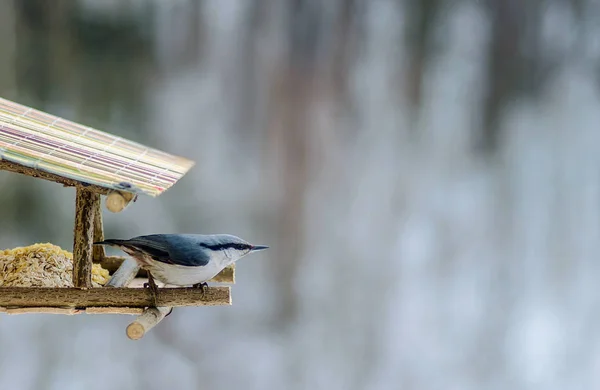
(96, 164)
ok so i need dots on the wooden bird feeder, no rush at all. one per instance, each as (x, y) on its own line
(96, 164)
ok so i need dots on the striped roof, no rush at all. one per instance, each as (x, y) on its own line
(46, 142)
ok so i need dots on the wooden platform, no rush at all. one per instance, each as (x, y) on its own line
(108, 300)
(100, 300)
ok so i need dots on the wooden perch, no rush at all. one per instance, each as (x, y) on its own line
(18, 168)
(64, 297)
(146, 321)
(117, 201)
(85, 205)
(112, 264)
(124, 275)
(151, 316)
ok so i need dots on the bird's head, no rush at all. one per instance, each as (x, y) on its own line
(229, 247)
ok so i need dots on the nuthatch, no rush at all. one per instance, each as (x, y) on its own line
(184, 259)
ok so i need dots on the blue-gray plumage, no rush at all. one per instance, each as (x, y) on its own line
(184, 259)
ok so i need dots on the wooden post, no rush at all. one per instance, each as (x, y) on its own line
(84, 237)
(98, 250)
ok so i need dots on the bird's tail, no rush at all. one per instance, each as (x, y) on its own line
(112, 242)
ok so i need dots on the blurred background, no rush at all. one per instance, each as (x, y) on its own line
(426, 172)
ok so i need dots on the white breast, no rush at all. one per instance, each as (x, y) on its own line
(180, 275)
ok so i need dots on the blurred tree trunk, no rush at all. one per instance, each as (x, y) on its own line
(293, 91)
(304, 80)
(421, 17)
(64, 55)
(517, 65)
(8, 45)
(288, 128)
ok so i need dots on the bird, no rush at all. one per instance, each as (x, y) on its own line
(183, 259)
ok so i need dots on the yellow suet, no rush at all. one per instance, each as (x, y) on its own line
(42, 265)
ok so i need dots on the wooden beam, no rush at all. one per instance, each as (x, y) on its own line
(40, 310)
(227, 275)
(146, 321)
(112, 264)
(72, 311)
(13, 297)
(124, 275)
(85, 204)
(114, 310)
(99, 252)
(38, 173)
(139, 283)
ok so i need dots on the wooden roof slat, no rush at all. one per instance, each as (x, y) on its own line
(37, 140)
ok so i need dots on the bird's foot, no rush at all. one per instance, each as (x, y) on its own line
(153, 288)
(203, 286)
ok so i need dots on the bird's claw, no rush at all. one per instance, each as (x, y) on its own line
(203, 286)
(153, 288)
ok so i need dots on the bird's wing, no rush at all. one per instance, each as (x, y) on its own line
(171, 249)
(151, 245)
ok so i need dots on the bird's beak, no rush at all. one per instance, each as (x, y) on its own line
(256, 248)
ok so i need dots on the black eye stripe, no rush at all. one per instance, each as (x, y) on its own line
(219, 247)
